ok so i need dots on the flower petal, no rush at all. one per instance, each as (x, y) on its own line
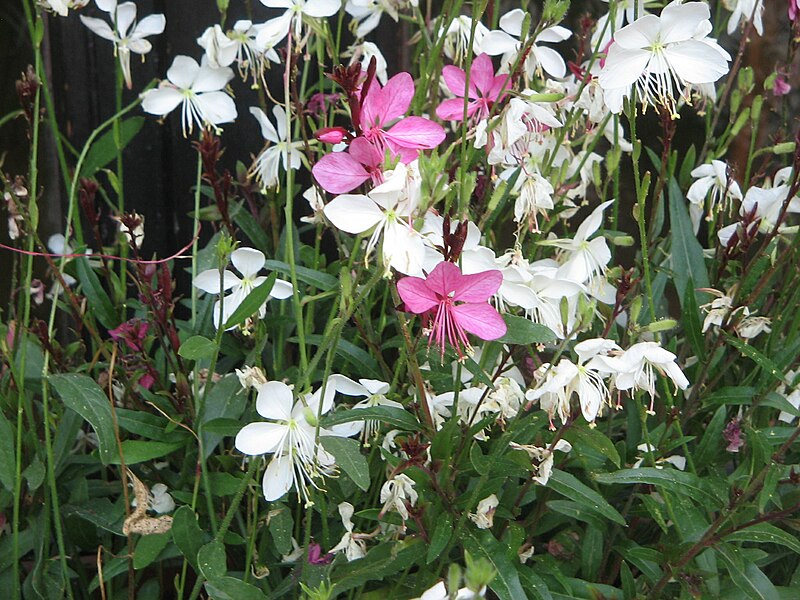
(481, 74)
(416, 295)
(481, 320)
(695, 62)
(415, 132)
(274, 401)
(478, 287)
(211, 79)
(98, 27)
(161, 101)
(151, 25)
(623, 67)
(267, 128)
(183, 71)
(260, 438)
(339, 173)
(281, 290)
(278, 478)
(455, 79)
(453, 109)
(248, 261)
(217, 107)
(353, 213)
(208, 281)
(126, 15)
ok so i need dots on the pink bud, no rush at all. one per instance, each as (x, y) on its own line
(781, 86)
(331, 135)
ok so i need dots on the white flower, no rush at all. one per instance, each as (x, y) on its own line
(238, 45)
(197, 89)
(248, 262)
(675, 460)
(753, 326)
(742, 10)
(792, 397)
(542, 458)
(715, 178)
(483, 517)
(290, 436)
(367, 13)
(363, 53)
(373, 391)
(534, 196)
(507, 42)
(278, 150)
(439, 592)
(625, 10)
(317, 203)
(396, 492)
(663, 56)
(125, 38)
(457, 36)
(354, 547)
(251, 377)
(159, 500)
(297, 10)
(388, 209)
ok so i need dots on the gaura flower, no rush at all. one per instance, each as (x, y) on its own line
(455, 304)
(198, 90)
(279, 149)
(484, 90)
(298, 10)
(742, 10)
(61, 7)
(342, 172)
(248, 262)
(662, 56)
(290, 436)
(716, 178)
(125, 38)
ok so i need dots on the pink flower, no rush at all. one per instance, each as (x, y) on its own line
(484, 90)
(132, 332)
(456, 305)
(781, 85)
(408, 135)
(342, 172)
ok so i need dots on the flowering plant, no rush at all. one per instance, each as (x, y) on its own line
(479, 314)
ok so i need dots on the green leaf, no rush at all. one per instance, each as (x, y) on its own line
(441, 536)
(731, 395)
(251, 303)
(99, 302)
(7, 454)
(226, 400)
(252, 229)
(197, 347)
(521, 331)
(139, 451)
(482, 544)
(673, 480)
(765, 533)
(186, 534)
(230, 588)
(391, 415)
(535, 586)
(148, 548)
(105, 149)
(628, 583)
(211, 560)
(745, 575)
(100, 512)
(687, 253)
(591, 553)
(281, 526)
(322, 281)
(359, 358)
(82, 394)
(150, 426)
(595, 439)
(348, 456)
(223, 427)
(760, 359)
(568, 486)
(381, 563)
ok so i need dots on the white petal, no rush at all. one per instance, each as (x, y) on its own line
(321, 8)
(216, 107)
(106, 5)
(151, 25)
(260, 438)
(139, 46)
(267, 129)
(161, 101)
(98, 27)
(347, 386)
(126, 15)
(499, 42)
(639, 34)
(353, 213)
(183, 71)
(274, 401)
(280, 121)
(278, 478)
(248, 261)
(679, 22)
(208, 281)
(550, 60)
(623, 67)
(554, 34)
(281, 290)
(511, 22)
(694, 62)
(211, 79)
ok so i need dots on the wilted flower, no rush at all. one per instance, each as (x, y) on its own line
(353, 546)
(279, 149)
(396, 493)
(483, 517)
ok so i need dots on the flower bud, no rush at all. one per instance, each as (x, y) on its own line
(331, 135)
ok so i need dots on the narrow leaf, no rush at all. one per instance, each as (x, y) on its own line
(396, 417)
(348, 456)
(197, 347)
(570, 487)
(687, 253)
(105, 148)
(252, 302)
(521, 331)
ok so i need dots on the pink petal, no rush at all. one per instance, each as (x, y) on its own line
(339, 173)
(481, 74)
(366, 153)
(415, 132)
(382, 106)
(453, 109)
(416, 294)
(500, 84)
(480, 319)
(445, 278)
(478, 287)
(455, 79)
